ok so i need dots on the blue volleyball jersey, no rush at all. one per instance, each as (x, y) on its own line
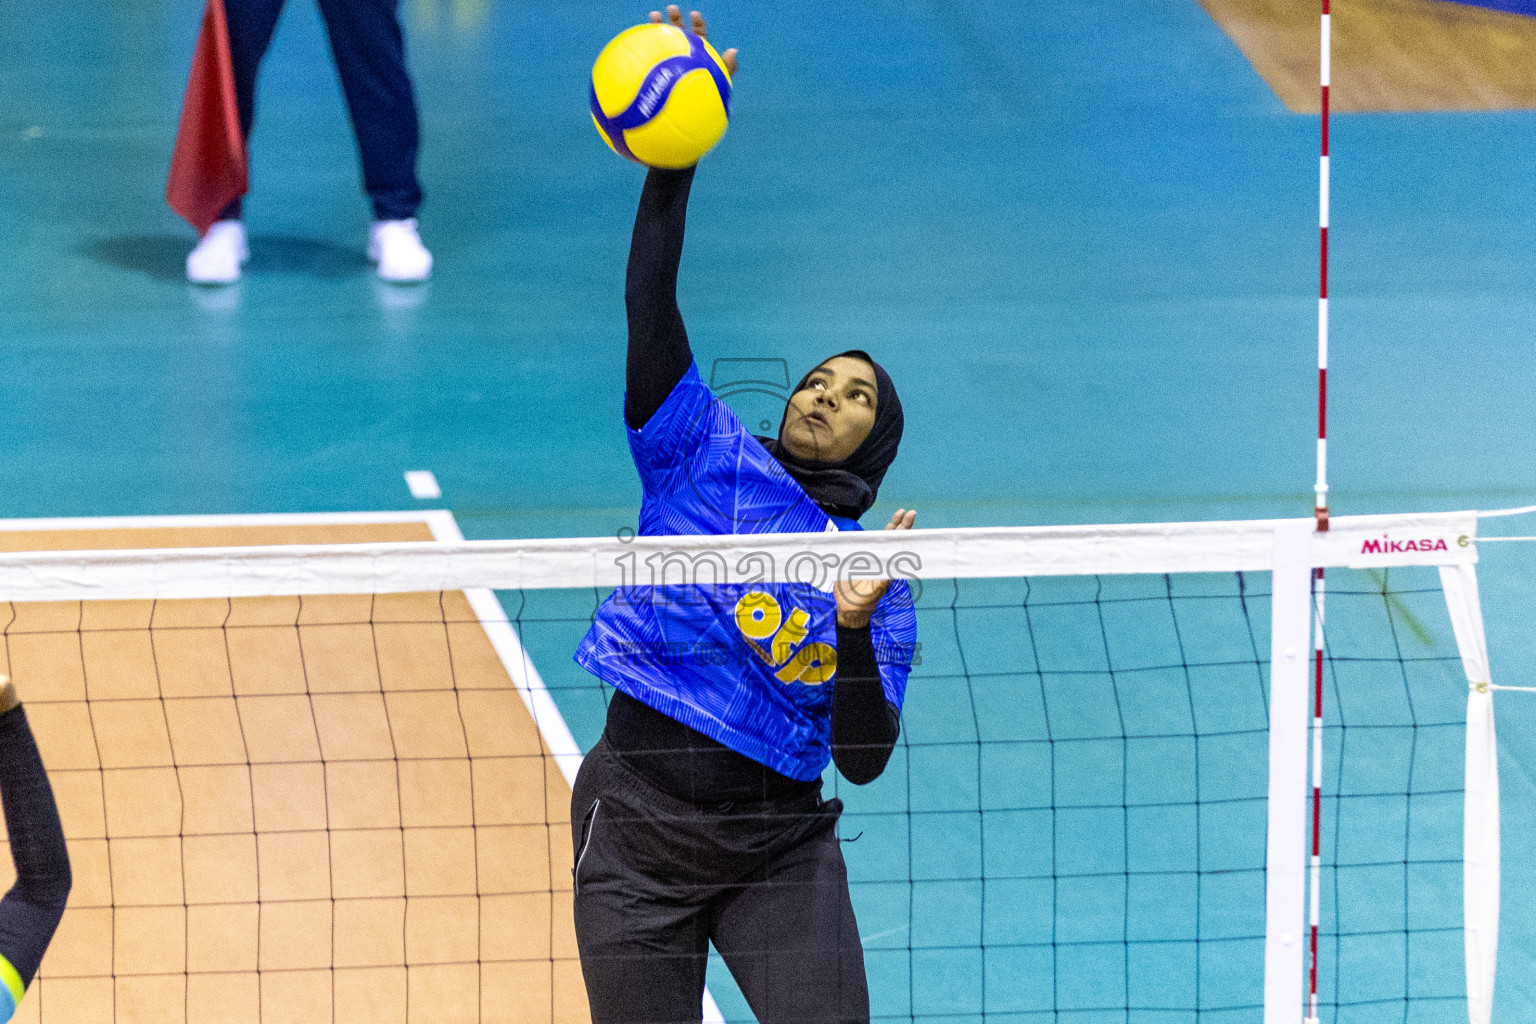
(751, 665)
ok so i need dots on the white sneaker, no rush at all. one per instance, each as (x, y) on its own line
(396, 247)
(217, 258)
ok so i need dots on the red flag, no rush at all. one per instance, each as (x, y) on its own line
(208, 169)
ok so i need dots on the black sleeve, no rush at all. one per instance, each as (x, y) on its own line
(864, 724)
(30, 911)
(658, 344)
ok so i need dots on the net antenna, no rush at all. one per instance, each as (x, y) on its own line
(1320, 510)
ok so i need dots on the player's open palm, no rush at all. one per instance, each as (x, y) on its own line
(856, 599)
(696, 23)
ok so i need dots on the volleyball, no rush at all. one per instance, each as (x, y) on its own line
(660, 96)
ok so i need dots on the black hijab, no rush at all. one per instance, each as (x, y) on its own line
(847, 488)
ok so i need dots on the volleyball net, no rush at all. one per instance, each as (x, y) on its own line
(330, 782)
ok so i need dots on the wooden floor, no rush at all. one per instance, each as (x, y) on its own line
(1388, 55)
(285, 811)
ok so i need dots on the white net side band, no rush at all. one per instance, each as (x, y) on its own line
(1435, 539)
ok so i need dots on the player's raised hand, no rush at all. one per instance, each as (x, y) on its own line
(696, 24)
(856, 599)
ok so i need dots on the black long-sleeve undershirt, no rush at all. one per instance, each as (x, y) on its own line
(682, 760)
(865, 725)
(658, 353)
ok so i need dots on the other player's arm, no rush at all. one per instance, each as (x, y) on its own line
(658, 353)
(865, 726)
(30, 911)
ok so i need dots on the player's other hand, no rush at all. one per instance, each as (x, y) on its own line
(856, 599)
(696, 24)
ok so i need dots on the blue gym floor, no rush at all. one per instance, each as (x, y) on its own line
(1081, 236)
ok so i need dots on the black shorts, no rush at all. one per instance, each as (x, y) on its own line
(658, 879)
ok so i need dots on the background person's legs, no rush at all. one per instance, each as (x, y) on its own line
(251, 24)
(791, 941)
(370, 58)
(222, 250)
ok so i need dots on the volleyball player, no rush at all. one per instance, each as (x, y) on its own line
(30, 911)
(698, 815)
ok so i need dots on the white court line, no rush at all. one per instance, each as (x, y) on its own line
(423, 484)
(515, 659)
(238, 519)
(530, 686)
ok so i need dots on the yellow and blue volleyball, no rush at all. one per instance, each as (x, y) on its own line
(660, 96)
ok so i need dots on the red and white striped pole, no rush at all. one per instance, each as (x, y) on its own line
(1321, 487)
(1321, 512)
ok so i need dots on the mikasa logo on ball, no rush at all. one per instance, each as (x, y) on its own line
(656, 90)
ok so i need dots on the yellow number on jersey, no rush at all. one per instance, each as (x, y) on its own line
(814, 665)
